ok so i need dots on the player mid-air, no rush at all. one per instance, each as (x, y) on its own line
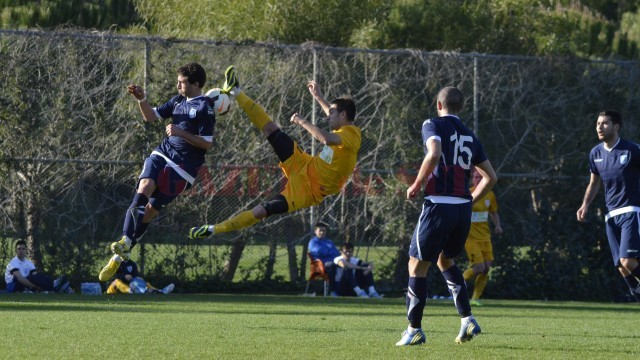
(309, 178)
(172, 167)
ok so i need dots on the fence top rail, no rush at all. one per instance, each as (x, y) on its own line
(311, 45)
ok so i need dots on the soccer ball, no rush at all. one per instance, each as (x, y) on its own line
(221, 101)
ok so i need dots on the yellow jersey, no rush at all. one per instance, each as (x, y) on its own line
(331, 167)
(480, 217)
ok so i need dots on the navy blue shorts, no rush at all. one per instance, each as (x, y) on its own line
(623, 233)
(441, 228)
(169, 184)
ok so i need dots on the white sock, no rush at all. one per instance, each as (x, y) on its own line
(212, 229)
(117, 258)
(467, 319)
(372, 289)
(127, 240)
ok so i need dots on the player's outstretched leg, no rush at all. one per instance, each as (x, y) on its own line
(256, 113)
(231, 83)
(200, 232)
(238, 222)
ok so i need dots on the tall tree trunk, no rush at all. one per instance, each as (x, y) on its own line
(31, 218)
(268, 273)
(32, 223)
(293, 265)
(401, 271)
(303, 261)
(231, 265)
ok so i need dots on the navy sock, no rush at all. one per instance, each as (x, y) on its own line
(134, 215)
(455, 282)
(416, 300)
(634, 286)
(140, 230)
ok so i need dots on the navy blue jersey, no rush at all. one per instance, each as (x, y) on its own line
(127, 267)
(195, 116)
(619, 169)
(460, 150)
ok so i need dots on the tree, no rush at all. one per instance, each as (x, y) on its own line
(97, 14)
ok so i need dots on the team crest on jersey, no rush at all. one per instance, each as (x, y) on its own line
(129, 268)
(487, 202)
(623, 159)
(192, 112)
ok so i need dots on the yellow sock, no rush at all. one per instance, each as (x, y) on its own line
(481, 282)
(468, 274)
(254, 111)
(240, 221)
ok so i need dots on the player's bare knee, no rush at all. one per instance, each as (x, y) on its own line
(629, 263)
(418, 268)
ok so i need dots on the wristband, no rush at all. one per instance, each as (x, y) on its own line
(143, 99)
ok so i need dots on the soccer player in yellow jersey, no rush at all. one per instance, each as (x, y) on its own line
(309, 178)
(478, 245)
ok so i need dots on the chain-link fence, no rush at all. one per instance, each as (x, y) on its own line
(73, 144)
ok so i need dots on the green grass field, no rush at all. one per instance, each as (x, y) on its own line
(39, 326)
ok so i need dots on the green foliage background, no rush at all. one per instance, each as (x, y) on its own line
(585, 28)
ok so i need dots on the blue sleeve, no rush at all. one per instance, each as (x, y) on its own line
(313, 248)
(334, 250)
(166, 110)
(429, 129)
(592, 164)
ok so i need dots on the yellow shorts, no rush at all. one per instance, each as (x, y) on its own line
(478, 251)
(301, 191)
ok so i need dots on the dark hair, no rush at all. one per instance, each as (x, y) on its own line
(194, 73)
(451, 99)
(613, 115)
(20, 242)
(346, 104)
(347, 246)
(321, 224)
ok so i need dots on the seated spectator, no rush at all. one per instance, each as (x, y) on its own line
(321, 248)
(22, 276)
(353, 275)
(128, 281)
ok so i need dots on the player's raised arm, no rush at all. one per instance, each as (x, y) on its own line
(324, 136)
(146, 109)
(316, 92)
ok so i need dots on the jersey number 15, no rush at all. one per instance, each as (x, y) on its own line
(460, 149)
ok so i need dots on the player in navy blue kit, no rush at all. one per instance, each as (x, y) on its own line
(616, 162)
(173, 165)
(450, 151)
